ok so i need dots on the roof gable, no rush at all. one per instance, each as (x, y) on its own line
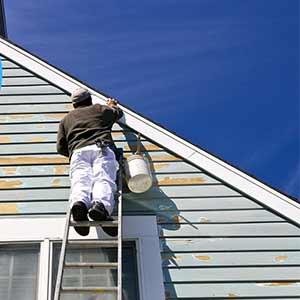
(197, 156)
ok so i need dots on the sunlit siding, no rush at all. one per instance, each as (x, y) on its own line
(215, 242)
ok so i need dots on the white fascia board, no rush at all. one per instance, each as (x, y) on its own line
(225, 172)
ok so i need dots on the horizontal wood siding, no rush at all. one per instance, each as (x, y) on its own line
(215, 242)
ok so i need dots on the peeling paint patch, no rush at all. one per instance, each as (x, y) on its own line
(8, 208)
(60, 170)
(116, 134)
(160, 166)
(230, 295)
(20, 117)
(55, 116)
(167, 294)
(281, 258)
(9, 171)
(203, 257)
(69, 106)
(165, 157)
(37, 140)
(146, 147)
(56, 182)
(173, 181)
(284, 283)
(8, 184)
(27, 160)
(5, 139)
(204, 220)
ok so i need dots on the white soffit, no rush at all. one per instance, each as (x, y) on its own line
(222, 170)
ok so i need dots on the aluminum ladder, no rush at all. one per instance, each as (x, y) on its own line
(59, 289)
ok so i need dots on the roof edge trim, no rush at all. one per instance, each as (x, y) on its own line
(244, 183)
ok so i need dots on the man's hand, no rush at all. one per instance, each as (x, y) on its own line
(111, 102)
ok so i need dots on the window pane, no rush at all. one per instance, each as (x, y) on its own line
(98, 277)
(18, 271)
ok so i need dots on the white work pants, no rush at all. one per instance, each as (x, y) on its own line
(93, 176)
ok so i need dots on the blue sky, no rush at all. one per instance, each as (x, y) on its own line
(223, 74)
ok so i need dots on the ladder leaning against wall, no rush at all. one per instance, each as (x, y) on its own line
(101, 243)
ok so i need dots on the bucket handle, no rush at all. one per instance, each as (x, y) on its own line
(138, 144)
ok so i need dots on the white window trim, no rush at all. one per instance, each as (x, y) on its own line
(143, 229)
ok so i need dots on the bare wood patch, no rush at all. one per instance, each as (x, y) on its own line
(5, 139)
(231, 295)
(145, 147)
(283, 283)
(281, 258)
(60, 170)
(32, 160)
(69, 106)
(160, 166)
(203, 257)
(9, 170)
(174, 181)
(55, 116)
(56, 182)
(8, 208)
(37, 140)
(8, 184)
(20, 117)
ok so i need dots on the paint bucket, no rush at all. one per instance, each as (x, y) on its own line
(138, 173)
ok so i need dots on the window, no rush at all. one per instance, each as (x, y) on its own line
(98, 277)
(18, 272)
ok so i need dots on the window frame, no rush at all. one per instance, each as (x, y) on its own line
(22, 246)
(48, 230)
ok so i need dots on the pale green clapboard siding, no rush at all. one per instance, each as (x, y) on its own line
(215, 259)
(226, 274)
(215, 242)
(6, 64)
(21, 99)
(29, 89)
(232, 290)
(226, 244)
(24, 81)
(15, 73)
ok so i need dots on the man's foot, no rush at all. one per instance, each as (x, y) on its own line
(79, 212)
(98, 212)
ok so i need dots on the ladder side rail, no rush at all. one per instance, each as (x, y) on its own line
(120, 229)
(60, 271)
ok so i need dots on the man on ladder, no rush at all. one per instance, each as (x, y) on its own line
(84, 135)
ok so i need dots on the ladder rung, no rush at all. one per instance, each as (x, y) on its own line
(98, 290)
(113, 265)
(94, 223)
(89, 244)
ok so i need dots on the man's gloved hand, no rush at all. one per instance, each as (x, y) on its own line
(111, 102)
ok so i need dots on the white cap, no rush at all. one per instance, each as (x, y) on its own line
(79, 95)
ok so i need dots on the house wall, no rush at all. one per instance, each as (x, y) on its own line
(216, 243)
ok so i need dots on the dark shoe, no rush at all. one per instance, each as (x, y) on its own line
(112, 231)
(79, 212)
(98, 212)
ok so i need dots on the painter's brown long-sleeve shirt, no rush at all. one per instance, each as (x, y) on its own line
(85, 125)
